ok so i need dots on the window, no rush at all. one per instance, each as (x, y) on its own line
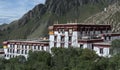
(8, 50)
(18, 51)
(62, 44)
(25, 51)
(70, 39)
(81, 46)
(34, 47)
(105, 37)
(101, 31)
(101, 50)
(30, 47)
(94, 32)
(55, 44)
(63, 31)
(92, 47)
(5, 55)
(107, 30)
(22, 51)
(22, 47)
(38, 47)
(81, 32)
(18, 46)
(62, 38)
(11, 45)
(42, 48)
(10, 56)
(69, 44)
(25, 46)
(55, 38)
(13, 51)
(109, 37)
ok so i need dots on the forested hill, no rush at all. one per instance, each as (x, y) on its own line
(34, 24)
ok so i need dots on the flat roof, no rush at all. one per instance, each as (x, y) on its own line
(82, 24)
(46, 42)
(102, 44)
(90, 40)
(110, 34)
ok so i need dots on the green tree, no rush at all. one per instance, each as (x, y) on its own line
(115, 46)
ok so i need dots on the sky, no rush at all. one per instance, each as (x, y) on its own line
(11, 10)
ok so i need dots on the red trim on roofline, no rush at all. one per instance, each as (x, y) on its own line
(28, 43)
(100, 45)
(1, 52)
(83, 27)
(90, 41)
(111, 34)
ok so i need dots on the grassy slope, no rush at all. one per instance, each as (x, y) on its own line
(111, 16)
(49, 18)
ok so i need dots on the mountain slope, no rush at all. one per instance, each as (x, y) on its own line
(110, 16)
(34, 24)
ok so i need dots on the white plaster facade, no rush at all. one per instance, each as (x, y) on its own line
(66, 35)
(102, 49)
(12, 49)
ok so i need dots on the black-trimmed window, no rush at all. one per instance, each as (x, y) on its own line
(109, 37)
(13, 51)
(101, 50)
(22, 52)
(35, 47)
(42, 48)
(11, 45)
(55, 38)
(38, 47)
(62, 38)
(55, 44)
(8, 50)
(81, 46)
(18, 46)
(101, 31)
(18, 51)
(22, 46)
(25, 46)
(69, 44)
(70, 38)
(10, 56)
(105, 37)
(92, 47)
(62, 44)
(30, 47)
(25, 51)
(5, 55)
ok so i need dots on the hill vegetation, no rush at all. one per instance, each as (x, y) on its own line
(77, 59)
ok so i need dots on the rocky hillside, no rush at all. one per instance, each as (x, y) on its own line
(34, 24)
(110, 15)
